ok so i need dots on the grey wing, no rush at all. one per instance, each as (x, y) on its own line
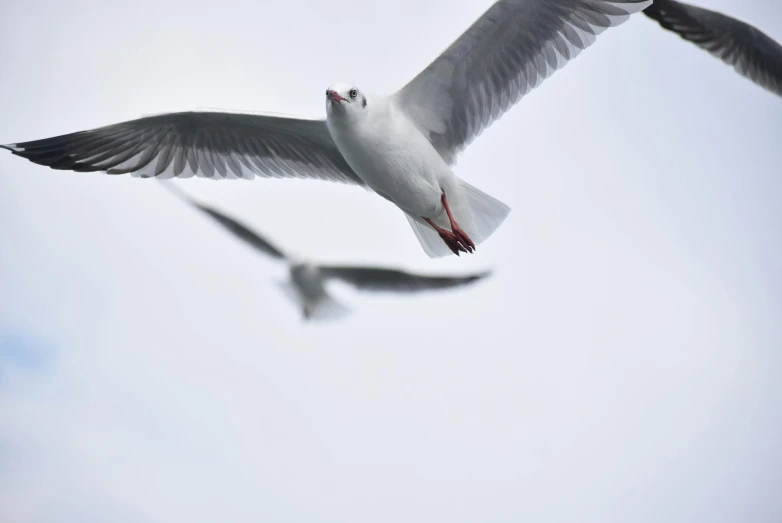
(379, 279)
(752, 53)
(206, 144)
(235, 227)
(509, 51)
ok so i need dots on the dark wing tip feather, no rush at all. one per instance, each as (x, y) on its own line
(478, 276)
(385, 279)
(469, 278)
(752, 53)
(50, 152)
(205, 144)
(14, 148)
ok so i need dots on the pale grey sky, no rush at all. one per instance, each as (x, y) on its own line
(622, 365)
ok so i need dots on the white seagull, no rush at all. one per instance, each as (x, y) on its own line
(403, 145)
(307, 284)
(751, 52)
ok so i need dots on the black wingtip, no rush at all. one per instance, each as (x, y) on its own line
(13, 147)
(480, 276)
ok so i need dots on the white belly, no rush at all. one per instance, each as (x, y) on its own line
(394, 159)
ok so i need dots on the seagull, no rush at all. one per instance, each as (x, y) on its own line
(403, 146)
(307, 283)
(752, 53)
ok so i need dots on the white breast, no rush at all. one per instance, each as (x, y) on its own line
(390, 154)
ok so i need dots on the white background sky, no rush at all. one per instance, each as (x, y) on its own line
(622, 365)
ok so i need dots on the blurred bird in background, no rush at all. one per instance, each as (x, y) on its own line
(307, 283)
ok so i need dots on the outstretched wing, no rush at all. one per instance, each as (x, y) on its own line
(378, 279)
(235, 227)
(752, 53)
(205, 144)
(509, 51)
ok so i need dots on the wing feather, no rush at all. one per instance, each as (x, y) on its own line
(382, 279)
(505, 54)
(235, 227)
(204, 144)
(752, 53)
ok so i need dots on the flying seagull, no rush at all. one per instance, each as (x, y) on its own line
(752, 53)
(307, 284)
(403, 146)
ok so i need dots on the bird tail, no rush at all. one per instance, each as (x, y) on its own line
(487, 212)
(324, 309)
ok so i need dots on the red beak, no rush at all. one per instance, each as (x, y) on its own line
(335, 97)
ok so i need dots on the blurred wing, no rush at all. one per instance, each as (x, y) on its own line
(205, 144)
(372, 279)
(752, 53)
(509, 51)
(239, 230)
(242, 232)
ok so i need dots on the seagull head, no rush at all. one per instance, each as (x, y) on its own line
(345, 99)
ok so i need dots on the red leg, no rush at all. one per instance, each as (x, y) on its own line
(456, 239)
(448, 237)
(458, 231)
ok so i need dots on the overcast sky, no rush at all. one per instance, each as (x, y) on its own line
(623, 364)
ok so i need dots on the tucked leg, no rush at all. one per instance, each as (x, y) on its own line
(458, 231)
(456, 239)
(450, 239)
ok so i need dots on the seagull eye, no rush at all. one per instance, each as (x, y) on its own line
(353, 92)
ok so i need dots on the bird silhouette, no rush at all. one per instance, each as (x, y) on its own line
(307, 283)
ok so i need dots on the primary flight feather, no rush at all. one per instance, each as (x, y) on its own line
(752, 53)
